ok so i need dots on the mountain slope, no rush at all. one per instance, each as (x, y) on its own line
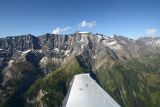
(37, 70)
(54, 85)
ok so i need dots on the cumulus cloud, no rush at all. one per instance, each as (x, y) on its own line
(59, 30)
(151, 31)
(84, 24)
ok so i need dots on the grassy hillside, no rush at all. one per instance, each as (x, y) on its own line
(54, 85)
(132, 84)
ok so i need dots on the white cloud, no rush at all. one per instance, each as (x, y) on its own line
(59, 30)
(151, 31)
(87, 24)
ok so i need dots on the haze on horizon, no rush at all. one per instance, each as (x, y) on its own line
(131, 18)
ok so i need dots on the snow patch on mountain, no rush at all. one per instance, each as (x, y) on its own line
(99, 36)
(56, 49)
(158, 42)
(83, 32)
(44, 60)
(112, 44)
(10, 63)
(25, 52)
(66, 52)
(84, 38)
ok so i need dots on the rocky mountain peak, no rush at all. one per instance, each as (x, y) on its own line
(57, 58)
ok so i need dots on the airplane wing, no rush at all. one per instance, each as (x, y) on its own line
(85, 92)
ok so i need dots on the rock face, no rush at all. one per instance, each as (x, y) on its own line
(25, 60)
(23, 42)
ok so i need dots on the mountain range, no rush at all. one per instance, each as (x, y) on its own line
(36, 71)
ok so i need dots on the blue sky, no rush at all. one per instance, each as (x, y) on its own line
(131, 18)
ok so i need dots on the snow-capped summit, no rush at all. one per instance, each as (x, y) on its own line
(83, 32)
